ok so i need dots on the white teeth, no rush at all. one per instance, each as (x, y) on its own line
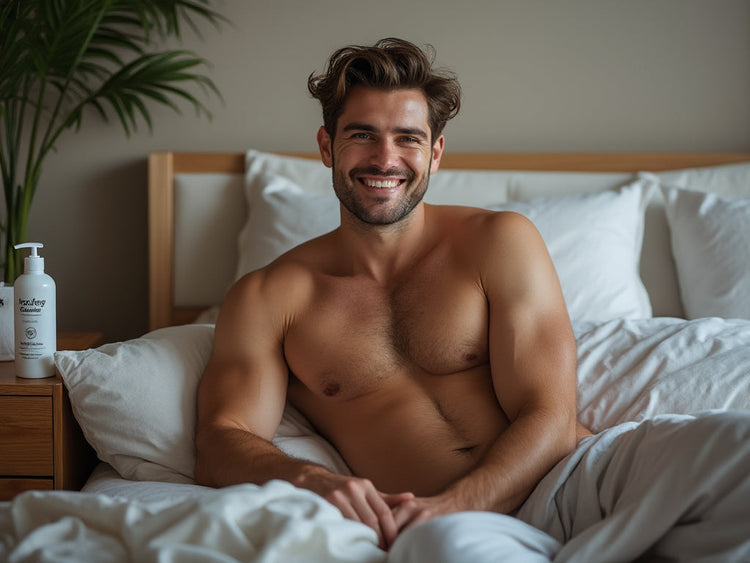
(381, 183)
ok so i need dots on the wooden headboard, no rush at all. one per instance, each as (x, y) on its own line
(164, 165)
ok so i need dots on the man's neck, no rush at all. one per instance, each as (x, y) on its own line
(384, 252)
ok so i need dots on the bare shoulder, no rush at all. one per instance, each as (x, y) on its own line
(484, 232)
(506, 250)
(270, 294)
(282, 277)
(506, 228)
(511, 237)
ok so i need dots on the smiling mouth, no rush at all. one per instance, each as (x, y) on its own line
(383, 184)
(378, 179)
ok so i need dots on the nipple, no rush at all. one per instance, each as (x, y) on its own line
(331, 389)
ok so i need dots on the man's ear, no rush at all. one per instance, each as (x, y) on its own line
(437, 153)
(325, 146)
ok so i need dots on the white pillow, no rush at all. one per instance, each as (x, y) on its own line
(135, 402)
(726, 180)
(280, 216)
(711, 247)
(594, 241)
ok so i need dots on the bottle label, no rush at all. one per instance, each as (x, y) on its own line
(31, 305)
(35, 329)
(33, 343)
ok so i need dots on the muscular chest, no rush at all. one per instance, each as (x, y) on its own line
(355, 334)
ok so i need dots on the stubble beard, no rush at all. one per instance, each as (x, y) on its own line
(413, 193)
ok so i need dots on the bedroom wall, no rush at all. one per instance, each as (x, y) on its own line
(578, 75)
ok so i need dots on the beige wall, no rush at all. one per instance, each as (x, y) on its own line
(571, 75)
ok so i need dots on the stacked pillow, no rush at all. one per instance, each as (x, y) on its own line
(709, 221)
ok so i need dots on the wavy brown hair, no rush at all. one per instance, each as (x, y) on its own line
(389, 64)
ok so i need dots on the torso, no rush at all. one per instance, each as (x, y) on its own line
(397, 377)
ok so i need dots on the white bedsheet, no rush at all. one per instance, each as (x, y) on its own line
(628, 371)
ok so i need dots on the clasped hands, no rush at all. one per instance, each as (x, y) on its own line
(387, 514)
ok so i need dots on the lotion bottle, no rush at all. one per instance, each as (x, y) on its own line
(35, 318)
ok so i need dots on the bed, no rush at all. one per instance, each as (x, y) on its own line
(652, 254)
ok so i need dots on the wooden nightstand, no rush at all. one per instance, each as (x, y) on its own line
(41, 444)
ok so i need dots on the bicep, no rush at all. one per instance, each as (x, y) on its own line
(532, 347)
(244, 384)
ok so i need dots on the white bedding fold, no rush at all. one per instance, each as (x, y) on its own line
(636, 492)
(630, 370)
(276, 522)
(675, 487)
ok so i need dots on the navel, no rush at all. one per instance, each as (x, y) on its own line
(466, 450)
(331, 389)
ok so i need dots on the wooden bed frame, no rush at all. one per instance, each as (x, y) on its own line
(164, 165)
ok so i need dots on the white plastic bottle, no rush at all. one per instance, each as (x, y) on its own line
(35, 317)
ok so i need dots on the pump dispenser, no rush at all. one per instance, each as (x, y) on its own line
(35, 317)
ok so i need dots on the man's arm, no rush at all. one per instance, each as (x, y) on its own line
(241, 400)
(533, 365)
(242, 393)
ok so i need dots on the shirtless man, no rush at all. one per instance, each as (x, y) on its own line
(429, 344)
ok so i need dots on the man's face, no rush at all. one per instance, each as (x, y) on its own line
(382, 154)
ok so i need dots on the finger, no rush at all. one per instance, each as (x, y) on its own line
(404, 513)
(389, 525)
(374, 512)
(343, 503)
(352, 508)
(421, 516)
(384, 514)
(361, 499)
(409, 513)
(394, 499)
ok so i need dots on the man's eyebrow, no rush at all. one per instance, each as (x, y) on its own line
(414, 131)
(359, 127)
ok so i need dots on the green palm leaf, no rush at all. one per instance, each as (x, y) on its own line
(58, 57)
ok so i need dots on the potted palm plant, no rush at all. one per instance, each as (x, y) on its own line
(63, 59)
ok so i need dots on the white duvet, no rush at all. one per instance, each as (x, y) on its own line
(276, 522)
(628, 370)
(634, 369)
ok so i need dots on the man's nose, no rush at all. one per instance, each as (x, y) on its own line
(385, 154)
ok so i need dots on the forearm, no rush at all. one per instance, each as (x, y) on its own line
(515, 463)
(230, 456)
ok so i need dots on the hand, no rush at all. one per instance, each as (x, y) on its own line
(359, 500)
(415, 510)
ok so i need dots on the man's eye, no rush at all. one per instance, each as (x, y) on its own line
(361, 136)
(409, 140)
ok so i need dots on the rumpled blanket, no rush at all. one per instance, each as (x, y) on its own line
(276, 522)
